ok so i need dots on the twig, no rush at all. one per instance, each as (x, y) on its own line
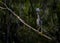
(26, 23)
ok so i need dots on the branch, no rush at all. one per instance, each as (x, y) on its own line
(2, 7)
(25, 23)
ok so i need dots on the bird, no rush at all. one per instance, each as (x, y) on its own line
(38, 20)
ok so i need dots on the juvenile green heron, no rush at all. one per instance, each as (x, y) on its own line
(38, 21)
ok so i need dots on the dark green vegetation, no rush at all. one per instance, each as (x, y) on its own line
(16, 32)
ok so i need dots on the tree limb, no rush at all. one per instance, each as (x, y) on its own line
(24, 22)
(2, 7)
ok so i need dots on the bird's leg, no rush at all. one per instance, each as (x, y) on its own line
(40, 29)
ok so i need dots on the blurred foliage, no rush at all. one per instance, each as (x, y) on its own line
(50, 14)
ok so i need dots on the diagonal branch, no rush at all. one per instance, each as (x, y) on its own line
(24, 22)
(2, 7)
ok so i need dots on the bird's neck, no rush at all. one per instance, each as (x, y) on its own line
(38, 15)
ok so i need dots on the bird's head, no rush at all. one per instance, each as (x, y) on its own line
(37, 10)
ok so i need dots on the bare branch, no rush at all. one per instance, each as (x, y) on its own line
(26, 23)
(2, 7)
